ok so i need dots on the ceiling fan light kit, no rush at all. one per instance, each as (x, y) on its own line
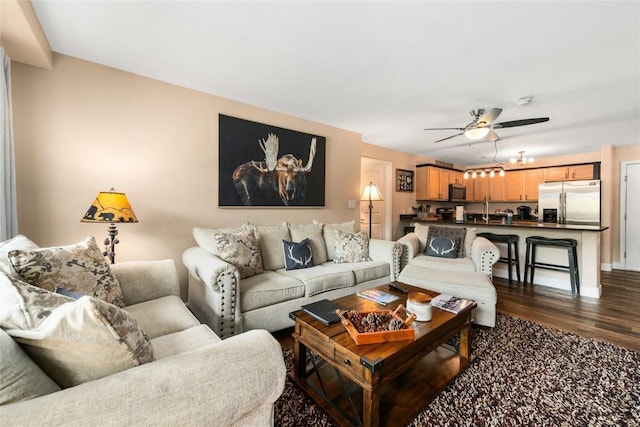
(477, 133)
(482, 126)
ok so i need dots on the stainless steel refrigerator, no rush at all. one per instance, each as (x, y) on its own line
(570, 202)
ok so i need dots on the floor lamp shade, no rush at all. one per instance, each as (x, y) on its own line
(372, 194)
(110, 207)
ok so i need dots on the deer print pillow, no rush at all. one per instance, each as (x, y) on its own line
(445, 242)
(297, 255)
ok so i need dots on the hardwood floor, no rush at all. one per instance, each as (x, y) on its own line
(614, 317)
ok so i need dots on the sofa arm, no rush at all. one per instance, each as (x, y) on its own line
(224, 383)
(387, 251)
(214, 294)
(410, 247)
(146, 280)
(484, 254)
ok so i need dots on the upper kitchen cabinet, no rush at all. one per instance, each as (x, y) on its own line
(522, 185)
(569, 173)
(456, 177)
(496, 188)
(432, 183)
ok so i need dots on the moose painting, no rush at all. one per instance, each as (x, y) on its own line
(262, 165)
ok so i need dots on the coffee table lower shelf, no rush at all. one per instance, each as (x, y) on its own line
(400, 400)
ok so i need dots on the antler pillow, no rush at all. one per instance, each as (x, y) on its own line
(445, 242)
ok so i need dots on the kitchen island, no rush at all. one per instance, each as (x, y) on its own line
(588, 238)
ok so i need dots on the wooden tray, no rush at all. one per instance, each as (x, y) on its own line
(383, 336)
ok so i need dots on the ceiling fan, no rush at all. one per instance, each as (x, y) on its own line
(482, 125)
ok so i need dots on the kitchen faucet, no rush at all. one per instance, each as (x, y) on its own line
(485, 211)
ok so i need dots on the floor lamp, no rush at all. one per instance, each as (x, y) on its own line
(371, 193)
(110, 206)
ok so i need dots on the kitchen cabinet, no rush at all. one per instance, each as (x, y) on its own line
(432, 183)
(496, 188)
(522, 185)
(456, 177)
(480, 189)
(568, 173)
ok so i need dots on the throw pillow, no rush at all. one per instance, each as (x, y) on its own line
(445, 242)
(313, 232)
(78, 268)
(329, 234)
(422, 231)
(297, 255)
(72, 341)
(270, 241)
(20, 378)
(351, 247)
(468, 241)
(241, 250)
(18, 242)
(205, 236)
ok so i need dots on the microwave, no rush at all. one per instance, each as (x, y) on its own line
(457, 193)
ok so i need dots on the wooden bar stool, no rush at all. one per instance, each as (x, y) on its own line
(512, 258)
(572, 268)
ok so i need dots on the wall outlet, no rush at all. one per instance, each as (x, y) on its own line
(352, 204)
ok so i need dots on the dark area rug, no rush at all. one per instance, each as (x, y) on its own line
(523, 374)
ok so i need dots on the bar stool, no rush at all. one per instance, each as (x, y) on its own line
(511, 240)
(572, 268)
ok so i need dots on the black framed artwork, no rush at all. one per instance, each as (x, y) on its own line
(404, 180)
(265, 165)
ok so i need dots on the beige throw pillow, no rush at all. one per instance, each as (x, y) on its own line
(78, 268)
(313, 232)
(270, 240)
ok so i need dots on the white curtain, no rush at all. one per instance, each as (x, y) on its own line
(8, 208)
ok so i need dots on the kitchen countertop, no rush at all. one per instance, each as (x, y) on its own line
(516, 224)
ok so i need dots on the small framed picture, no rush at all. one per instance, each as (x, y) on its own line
(404, 180)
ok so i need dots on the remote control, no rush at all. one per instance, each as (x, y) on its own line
(398, 288)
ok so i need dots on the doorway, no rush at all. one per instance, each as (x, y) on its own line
(378, 172)
(629, 207)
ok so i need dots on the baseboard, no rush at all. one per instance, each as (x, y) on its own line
(606, 267)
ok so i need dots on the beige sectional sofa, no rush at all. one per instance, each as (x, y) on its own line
(229, 304)
(468, 276)
(195, 379)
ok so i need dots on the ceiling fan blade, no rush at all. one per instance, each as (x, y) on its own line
(492, 136)
(449, 137)
(489, 116)
(522, 122)
(444, 129)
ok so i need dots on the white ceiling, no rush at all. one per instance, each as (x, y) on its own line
(387, 69)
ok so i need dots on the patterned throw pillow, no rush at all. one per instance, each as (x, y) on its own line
(445, 242)
(72, 341)
(241, 250)
(297, 255)
(78, 268)
(206, 240)
(329, 234)
(351, 247)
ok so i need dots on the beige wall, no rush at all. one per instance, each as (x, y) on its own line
(399, 160)
(81, 128)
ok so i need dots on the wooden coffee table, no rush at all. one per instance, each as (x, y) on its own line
(378, 384)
